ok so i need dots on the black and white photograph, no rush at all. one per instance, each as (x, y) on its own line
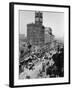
(41, 43)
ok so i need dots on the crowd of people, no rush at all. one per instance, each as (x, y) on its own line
(52, 62)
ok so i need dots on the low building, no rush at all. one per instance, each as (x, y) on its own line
(49, 38)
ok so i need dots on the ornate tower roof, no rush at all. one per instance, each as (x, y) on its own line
(38, 18)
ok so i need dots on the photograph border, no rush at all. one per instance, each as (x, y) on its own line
(11, 42)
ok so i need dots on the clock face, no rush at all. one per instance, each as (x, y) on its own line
(39, 19)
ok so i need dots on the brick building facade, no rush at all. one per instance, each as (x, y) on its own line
(35, 31)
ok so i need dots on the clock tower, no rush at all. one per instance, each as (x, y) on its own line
(35, 31)
(38, 18)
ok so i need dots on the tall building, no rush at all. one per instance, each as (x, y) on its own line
(35, 31)
(49, 37)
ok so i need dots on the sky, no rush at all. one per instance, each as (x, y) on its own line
(55, 20)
